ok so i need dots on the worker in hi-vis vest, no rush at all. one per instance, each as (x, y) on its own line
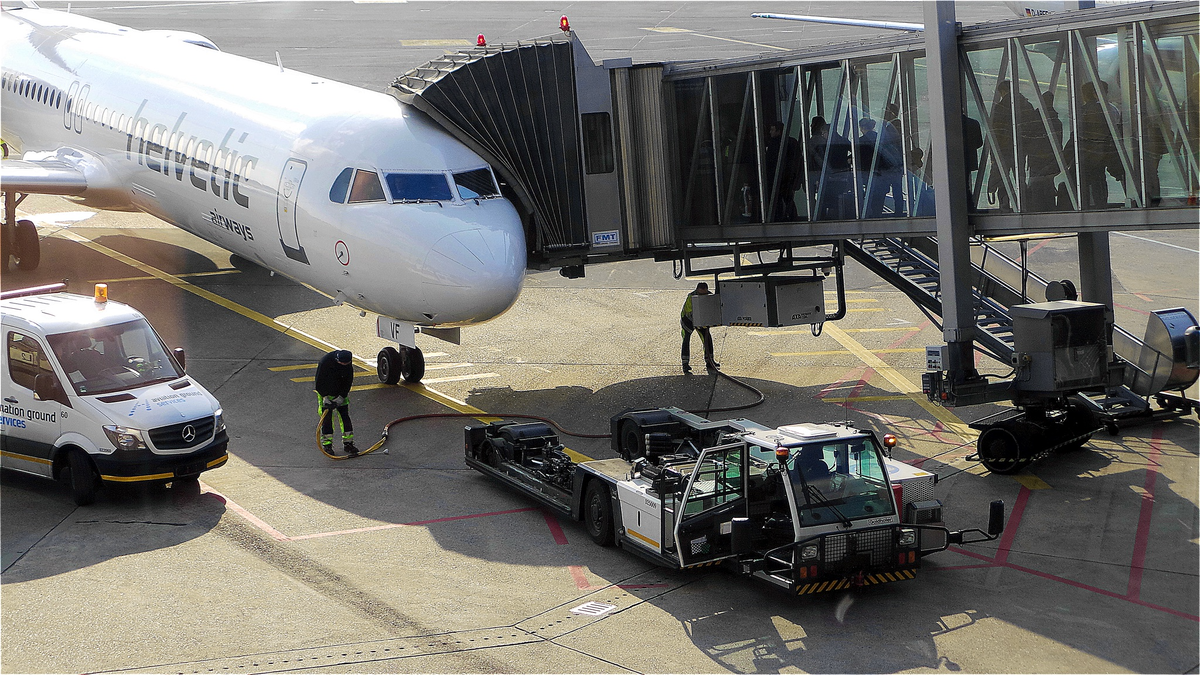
(685, 323)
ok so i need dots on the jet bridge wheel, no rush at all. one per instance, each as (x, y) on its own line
(1000, 449)
(1081, 419)
(28, 248)
(387, 365)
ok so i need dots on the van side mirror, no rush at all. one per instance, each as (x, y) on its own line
(47, 388)
(739, 530)
(180, 358)
(996, 518)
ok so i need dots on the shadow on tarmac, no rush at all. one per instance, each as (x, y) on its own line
(124, 520)
(1062, 577)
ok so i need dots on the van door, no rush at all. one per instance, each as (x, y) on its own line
(285, 207)
(30, 425)
(715, 495)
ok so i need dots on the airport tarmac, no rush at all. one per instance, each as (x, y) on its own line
(411, 562)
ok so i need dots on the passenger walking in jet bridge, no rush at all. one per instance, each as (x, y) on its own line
(335, 374)
(688, 326)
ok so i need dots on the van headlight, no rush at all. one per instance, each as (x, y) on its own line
(125, 438)
(908, 536)
(219, 420)
(808, 552)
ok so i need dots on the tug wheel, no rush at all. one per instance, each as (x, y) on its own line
(28, 248)
(597, 513)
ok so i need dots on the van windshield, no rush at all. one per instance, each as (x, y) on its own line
(114, 358)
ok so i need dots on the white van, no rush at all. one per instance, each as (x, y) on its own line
(92, 395)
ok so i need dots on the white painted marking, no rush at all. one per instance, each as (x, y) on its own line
(593, 609)
(1155, 241)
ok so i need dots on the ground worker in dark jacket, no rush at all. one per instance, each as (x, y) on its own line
(335, 375)
(685, 323)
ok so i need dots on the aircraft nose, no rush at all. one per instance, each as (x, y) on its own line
(474, 275)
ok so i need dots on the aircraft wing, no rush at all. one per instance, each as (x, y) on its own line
(46, 177)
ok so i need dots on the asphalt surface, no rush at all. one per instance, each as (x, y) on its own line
(411, 562)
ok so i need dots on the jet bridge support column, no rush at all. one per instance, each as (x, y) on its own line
(950, 188)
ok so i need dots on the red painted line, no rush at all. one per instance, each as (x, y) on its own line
(1144, 516)
(984, 566)
(1010, 530)
(1101, 591)
(581, 581)
(392, 526)
(1132, 309)
(250, 517)
(1037, 246)
(971, 554)
(556, 530)
(827, 390)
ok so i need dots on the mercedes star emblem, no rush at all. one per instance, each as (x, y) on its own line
(189, 433)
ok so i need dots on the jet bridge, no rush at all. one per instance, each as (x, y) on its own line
(1077, 123)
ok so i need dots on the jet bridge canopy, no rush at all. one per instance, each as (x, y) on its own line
(516, 106)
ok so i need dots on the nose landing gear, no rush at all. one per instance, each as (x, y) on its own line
(407, 363)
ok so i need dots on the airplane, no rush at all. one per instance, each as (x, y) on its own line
(344, 189)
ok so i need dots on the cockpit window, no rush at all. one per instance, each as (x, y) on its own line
(477, 184)
(366, 188)
(419, 187)
(337, 193)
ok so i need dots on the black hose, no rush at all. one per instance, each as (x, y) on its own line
(459, 415)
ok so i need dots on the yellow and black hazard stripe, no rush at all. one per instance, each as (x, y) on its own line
(745, 325)
(710, 563)
(868, 580)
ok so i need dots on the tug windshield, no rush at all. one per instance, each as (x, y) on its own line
(839, 481)
(114, 358)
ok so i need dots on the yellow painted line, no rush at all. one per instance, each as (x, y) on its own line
(27, 458)
(902, 383)
(181, 276)
(831, 352)
(860, 310)
(861, 300)
(1031, 481)
(646, 539)
(263, 319)
(807, 331)
(576, 456)
(302, 366)
(360, 373)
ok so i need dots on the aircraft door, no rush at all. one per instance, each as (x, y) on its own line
(715, 495)
(289, 190)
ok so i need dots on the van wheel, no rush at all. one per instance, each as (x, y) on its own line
(78, 475)
(597, 513)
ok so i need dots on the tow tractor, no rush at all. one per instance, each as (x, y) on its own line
(807, 507)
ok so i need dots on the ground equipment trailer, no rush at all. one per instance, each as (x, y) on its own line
(808, 507)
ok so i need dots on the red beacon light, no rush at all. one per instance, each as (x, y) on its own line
(564, 24)
(481, 41)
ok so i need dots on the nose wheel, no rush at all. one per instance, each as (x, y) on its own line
(407, 363)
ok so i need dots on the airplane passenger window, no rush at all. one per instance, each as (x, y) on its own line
(477, 184)
(366, 188)
(337, 193)
(419, 187)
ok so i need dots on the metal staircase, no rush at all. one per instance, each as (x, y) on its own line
(916, 274)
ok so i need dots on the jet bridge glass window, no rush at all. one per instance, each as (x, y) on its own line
(477, 184)
(366, 188)
(419, 187)
(597, 143)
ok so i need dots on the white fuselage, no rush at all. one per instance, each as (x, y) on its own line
(244, 155)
